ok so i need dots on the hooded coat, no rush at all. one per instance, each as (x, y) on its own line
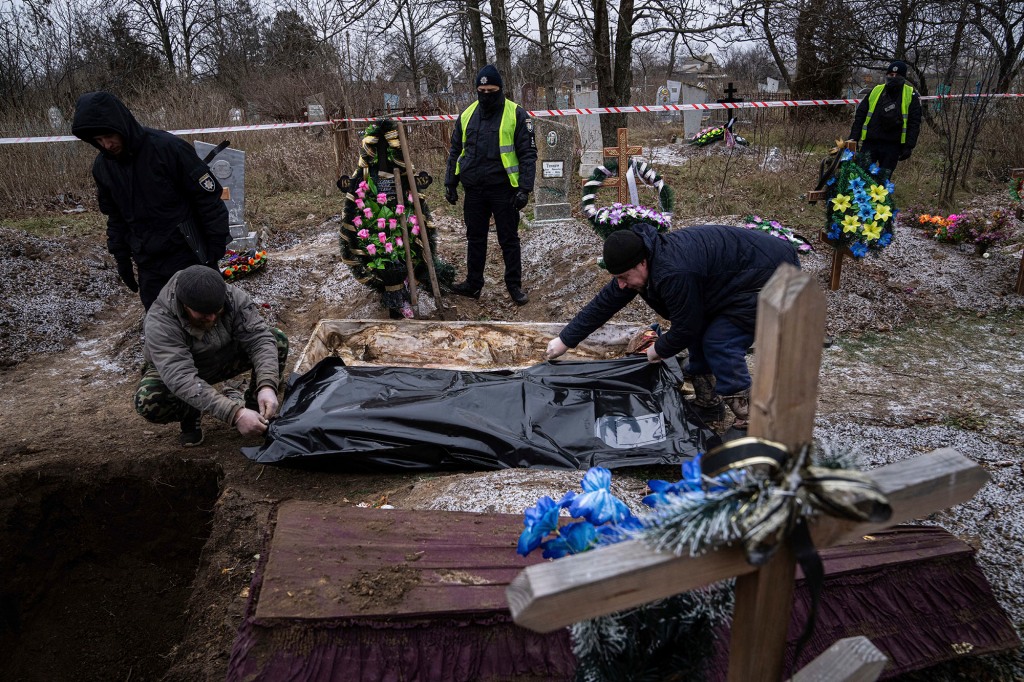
(695, 275)
(154, 185)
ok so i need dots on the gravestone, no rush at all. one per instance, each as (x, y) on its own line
(556, 150)
(315, 109)
(229, 169)
(692, 119)
(590, 133)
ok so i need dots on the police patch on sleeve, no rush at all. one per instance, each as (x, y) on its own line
(529, 125)
(207, 182)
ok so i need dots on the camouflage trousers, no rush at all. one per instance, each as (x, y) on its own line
(156, 402)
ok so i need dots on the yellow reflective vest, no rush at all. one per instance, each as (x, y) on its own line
(876, 92)
(506, 139)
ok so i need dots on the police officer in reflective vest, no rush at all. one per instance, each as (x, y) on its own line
(888, 120)
(494, 156)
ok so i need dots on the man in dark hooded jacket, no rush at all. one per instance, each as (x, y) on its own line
(154, 190)
(703, 279)
(888, 120)
(494, 156)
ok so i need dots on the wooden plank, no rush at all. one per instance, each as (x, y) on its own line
(854, 659)
(324, 561)
(1017, 173)
(783, 400)
(548, 596)
(816, 195)
(1018, 287)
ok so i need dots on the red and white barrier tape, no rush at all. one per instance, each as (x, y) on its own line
(540, 113)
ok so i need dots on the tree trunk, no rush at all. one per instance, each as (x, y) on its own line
(502, 52)
(546, 69)
(622, 83)
(603, 66)
(476, 35)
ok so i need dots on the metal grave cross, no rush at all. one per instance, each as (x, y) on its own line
(622, 153)
(790, 328)
(729, 99)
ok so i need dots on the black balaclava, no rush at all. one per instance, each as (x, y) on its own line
(490, 102)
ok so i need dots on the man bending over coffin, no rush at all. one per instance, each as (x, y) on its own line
(705, 281)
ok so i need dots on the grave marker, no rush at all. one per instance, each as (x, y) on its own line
(622, 152)
(228, 166)
(790, 328)
(729, 99)
(590, 133)
(556, 150)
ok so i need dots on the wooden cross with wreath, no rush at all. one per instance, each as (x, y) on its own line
(622, 154)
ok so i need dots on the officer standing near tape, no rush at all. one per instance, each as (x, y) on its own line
(888, 120)
(163, 205)
(494, 156)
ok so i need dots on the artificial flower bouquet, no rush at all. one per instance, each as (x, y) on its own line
(983, 229)
(778, 230)
(237, 264)
(378, 231)
(860, 213)
(714, 134)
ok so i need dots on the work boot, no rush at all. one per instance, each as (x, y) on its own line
(740, 406)
(518, 295)
(706, 403)
(191, 430)
(464, 289)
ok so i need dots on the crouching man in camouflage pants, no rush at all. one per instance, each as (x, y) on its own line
(201, 331)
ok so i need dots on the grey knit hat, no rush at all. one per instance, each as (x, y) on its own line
(201, 288)
(623, 250)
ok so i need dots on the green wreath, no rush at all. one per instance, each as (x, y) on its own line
(380, 262)
(859, 212)
(620, 216)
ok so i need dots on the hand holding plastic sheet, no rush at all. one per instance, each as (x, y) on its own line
(555, 349)
(267, 399)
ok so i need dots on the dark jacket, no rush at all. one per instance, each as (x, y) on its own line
(878, 131)
(157, 183)
(481, 166)
(695, 275)
(183, 355)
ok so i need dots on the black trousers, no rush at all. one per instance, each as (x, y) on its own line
(886, 154)
(482, 203)
(152, 276)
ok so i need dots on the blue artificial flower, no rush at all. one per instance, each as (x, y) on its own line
(885, 239)
(861, 197)
(857, 183)
(834, 232)
(859, 249)
(846, 156)
(889, 186)
(668, 494)
(867, 211)
(597, 504)
(573, 538)
(831, 181)
(539, 520)
(874, 168)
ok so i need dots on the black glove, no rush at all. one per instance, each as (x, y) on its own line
(126, 272)
(450, 195)
(905, 154)
(520, 200)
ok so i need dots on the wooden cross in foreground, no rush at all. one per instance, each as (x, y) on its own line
(623, 152)
(790, 329)
(1018, 287)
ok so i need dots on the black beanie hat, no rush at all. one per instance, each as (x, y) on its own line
(898, 67)
(623, 250)
(201, 288)
(488, 76)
